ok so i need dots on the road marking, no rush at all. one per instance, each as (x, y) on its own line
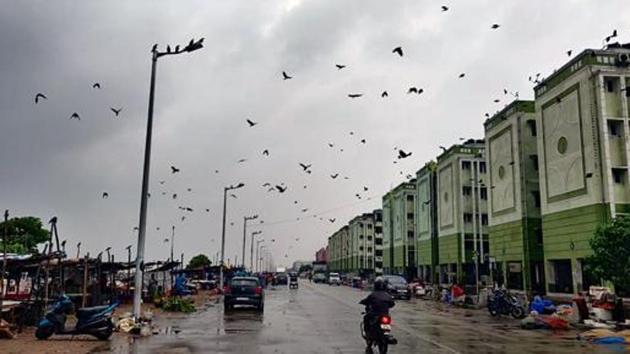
(403, 328)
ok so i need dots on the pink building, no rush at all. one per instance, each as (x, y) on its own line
(322, 255)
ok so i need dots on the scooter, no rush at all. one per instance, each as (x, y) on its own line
(95, 321)
(500, 302)
(377, 334)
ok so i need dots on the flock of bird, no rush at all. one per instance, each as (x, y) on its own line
(307, 168)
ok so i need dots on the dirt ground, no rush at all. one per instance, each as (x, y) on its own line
(26, 342)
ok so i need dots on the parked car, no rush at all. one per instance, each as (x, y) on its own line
(319, 278)
(334, 279)
(244, 291)
(397, 287)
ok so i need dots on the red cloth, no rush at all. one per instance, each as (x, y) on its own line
(457, 291)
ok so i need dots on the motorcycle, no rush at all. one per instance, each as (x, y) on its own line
(377, 332)
(500, 302)
(95, 321)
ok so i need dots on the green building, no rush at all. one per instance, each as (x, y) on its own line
(426, 223)
(515, 232)
(399, 207)
(462, 213)
(582, 112)
(339, 250)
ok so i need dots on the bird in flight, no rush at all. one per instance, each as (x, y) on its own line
(462, 75)
(334, 176)
(443, 148)
(569, 52)
(365, 189)
(233, 196)
(331, 144)
(207, 210)
(241, 160)
(305, 167)
(285, 76)
(340, 66)
(251, 123)
(267, 184)
(613, 35)
(384, 94)
(105, 195)
(265, 152)
(304, 210)
(281, 189)
(398, 50)
(174, 195)
(96, 85)
(444, 8)
(162, 182)
(363, 141)
(174, 169)
(332, 220)
(414, 89)
(40, 96)
(75, 115)
(116, 111)
(355, 95)
(403, 155)
(495, 26)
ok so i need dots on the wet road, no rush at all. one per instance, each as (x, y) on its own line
(323, 319)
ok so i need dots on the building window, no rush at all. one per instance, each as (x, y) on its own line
(409, 216)
(483, 193)
(484, 219)
(465, 165)
(360, 237)
(466, 190)
(378, 229)
(531, 124)
(361, 248)
(468, 217)
(482, 166)
(610, 85)
(369, 238)
(409, 234)
(369, 226)
(369, 249)
(619, 175)
(539, 235)
(534, 159)
(410, 197)
(515, 275)
(560, 276)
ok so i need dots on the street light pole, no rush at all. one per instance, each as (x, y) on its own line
(225, 190)
(245, 219)
(251, 250)
(172, 243)
(257, 248)
(192, 46)
(4, 258)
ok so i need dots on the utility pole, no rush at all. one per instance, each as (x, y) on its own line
(128, 248)
(78, 250)
(192, 46)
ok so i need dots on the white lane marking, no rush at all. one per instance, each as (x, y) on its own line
(404, 328)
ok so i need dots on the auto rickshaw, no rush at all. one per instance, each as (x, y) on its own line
(293, 280)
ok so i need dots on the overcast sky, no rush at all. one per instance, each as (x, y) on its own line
(50, 165)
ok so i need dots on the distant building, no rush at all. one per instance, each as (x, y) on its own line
(322, 255)
(462, 212)
(399, 230)
(582, 113)
(515, 232)
(378, 242)
(426, 223)
(339, 247)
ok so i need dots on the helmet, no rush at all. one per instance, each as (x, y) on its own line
(380, 283)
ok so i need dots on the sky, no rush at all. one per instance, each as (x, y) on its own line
(51, 165)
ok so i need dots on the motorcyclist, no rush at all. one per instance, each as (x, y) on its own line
(377, 304)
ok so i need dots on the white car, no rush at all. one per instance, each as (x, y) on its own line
(334, 279)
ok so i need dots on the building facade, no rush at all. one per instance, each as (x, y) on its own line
(322, 255)
(426, 223)
(399, 243)
(462, 213)
(378, 242)
(515, 231)
(582, 113)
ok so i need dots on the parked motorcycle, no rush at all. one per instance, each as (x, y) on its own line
(501, 302)
(95, 321)
(377, 333)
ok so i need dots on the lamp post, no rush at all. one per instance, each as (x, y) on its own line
(259, 261)
(4, 258)
(155, 54)
(128, 248)
(78, 249)
(245, 220)
(257, 248)
(225, 190)
(251, 250)
(172, 243)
